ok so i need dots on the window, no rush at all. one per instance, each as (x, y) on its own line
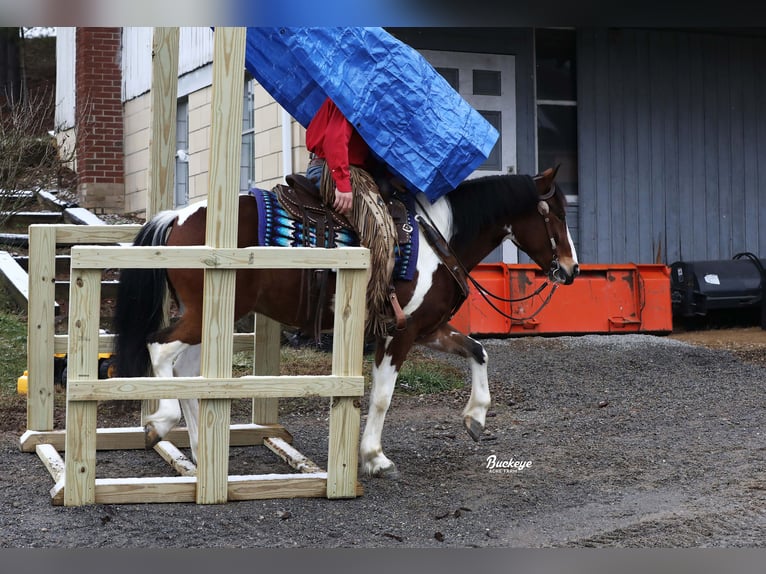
(247, 169)
(556, 104)
(182, 153)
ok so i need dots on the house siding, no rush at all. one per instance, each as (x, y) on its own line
(671, 145)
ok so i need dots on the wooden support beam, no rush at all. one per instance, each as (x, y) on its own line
(216, 388)
(52, 461)
(291, 456)
(202, 257)
(347, 357)
(133, 438)
(268, 334)
(40, 327)
(82, 363)
(221, 231)
(163, 111)
(14, 279)
(175, 458)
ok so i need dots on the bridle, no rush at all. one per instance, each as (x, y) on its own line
(555, 267)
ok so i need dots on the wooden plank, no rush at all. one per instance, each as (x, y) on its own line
(217, 388)
(57, 493)
(266, 362)
(175, 458)
(82, 216)
(145, 490)
(52, 460)
(95, 234)
(202, 257)
(14, 279)
(182, 489)
(221, 231)
(347, 357)
(128, 438)
(266, 486)
(291, 456)
(82, 363)
(242, 342)
(136, 490)
(163, 110)
(260, 487)
(40, 327)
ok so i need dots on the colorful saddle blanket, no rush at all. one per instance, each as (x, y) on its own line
(277, 228)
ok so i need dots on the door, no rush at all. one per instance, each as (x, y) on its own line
(488, 84)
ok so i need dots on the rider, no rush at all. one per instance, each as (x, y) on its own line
(344, 161)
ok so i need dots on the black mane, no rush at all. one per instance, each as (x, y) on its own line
(483, 202)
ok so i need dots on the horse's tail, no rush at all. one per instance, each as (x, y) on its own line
(140, 306)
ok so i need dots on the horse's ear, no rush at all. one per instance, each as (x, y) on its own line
(549, 174)
(544, 180)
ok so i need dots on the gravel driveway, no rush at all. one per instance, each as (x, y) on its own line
(625, 441)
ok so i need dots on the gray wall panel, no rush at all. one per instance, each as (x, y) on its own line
(672, 141)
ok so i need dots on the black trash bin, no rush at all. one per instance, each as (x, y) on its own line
(698, 287)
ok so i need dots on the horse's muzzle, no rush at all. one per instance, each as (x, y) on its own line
(559, 274)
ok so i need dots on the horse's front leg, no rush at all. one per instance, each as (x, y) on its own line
(389, 356)
(449, 340)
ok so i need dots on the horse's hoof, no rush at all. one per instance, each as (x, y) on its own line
(389, 473)
(473, 427)
(151, 437)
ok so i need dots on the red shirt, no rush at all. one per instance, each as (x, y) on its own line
(331, 136)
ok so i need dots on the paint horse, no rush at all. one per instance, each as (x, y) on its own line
(474, 219)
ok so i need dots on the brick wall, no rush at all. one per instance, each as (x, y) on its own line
(100, 157)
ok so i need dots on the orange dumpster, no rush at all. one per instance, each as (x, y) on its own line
(621, 298)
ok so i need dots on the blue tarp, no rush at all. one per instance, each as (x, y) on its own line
(404, 109)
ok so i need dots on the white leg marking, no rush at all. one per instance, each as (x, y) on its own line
(188, 365)
(163, 357)
(371, 451)
(479, 401)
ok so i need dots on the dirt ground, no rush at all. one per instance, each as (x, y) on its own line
(623, 440)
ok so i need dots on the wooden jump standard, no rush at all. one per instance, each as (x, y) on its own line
(345, 385)
(75, 479)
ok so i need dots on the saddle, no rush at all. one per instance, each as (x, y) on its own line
(302, 200)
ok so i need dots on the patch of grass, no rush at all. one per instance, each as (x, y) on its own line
(13, 342)
(421, 375)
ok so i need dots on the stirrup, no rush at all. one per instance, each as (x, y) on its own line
(401, 318)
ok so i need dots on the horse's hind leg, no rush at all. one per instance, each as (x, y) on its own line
(188, 365)
(449, 340)
(168, 414)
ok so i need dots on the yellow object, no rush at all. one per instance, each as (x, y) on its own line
(22, 385)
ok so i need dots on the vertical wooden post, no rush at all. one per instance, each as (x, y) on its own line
(82, 364)
(347, 356)
(40, 327)
(162, 136)
(266, 362)
(222, 221)
(163, 110)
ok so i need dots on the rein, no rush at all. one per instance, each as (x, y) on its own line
(484, 292)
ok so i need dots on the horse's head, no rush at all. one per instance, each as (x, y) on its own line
(543, 233)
